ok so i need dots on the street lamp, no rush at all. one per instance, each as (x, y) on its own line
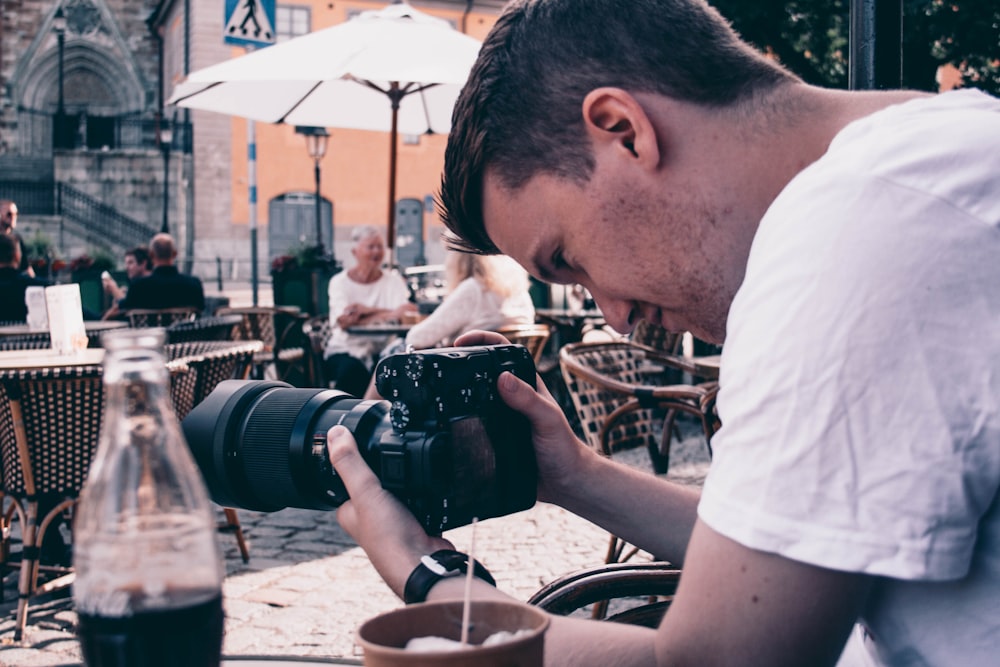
(59, 27)
(316, 140)
(166, 141)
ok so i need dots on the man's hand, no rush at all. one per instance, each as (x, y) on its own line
(376, 519)
(561, 456)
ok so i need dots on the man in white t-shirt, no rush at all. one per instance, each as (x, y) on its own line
(846, 248)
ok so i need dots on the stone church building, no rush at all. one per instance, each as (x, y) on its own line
(97, 163)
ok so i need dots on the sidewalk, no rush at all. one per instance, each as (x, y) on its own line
(307, 586)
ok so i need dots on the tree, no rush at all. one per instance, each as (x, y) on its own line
(810, 37)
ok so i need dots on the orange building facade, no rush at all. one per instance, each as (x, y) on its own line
(354, 170)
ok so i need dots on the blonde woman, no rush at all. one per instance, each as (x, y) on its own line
(485, 292)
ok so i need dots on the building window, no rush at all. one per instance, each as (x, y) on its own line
(292, 20)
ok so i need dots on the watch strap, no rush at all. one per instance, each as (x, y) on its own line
(437, 566)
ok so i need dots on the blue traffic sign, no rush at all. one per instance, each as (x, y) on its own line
(249, 23)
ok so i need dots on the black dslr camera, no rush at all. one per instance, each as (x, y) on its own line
(444, 442)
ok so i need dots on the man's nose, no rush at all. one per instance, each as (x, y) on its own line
(619, 314)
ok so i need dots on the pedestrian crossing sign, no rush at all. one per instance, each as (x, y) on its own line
(249, 23)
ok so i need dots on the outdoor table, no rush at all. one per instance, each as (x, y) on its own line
(380, 329)
(94, 330)
(570, 324)
(705, 367)
(24, 359)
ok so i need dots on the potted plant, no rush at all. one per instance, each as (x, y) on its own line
(86, 270)
(300, 278)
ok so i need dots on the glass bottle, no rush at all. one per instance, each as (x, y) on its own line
(149, 571)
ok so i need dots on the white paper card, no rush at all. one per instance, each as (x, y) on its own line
(38, 317)
(65, 311)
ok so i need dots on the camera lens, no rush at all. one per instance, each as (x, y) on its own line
(262, 445)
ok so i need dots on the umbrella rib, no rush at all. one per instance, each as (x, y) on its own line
(298, 102)
(198, 92)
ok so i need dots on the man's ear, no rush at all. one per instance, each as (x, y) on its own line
(613, 118)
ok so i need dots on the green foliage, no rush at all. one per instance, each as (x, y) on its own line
(39, 247)
(811, 38)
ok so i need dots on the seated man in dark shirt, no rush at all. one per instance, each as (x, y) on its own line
(13, 283)
(165, 287)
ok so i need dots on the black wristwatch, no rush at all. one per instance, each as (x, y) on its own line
(437, 566)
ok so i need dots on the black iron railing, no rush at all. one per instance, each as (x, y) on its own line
(97, 223)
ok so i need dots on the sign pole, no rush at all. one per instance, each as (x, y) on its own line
(252, 192)
(250, 23)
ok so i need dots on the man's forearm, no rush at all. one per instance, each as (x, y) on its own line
(647, 511)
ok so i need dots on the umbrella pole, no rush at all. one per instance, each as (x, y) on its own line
(395, 95)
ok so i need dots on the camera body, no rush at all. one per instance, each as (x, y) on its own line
(444, 442)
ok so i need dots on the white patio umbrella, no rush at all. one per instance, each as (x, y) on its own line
(391, 70)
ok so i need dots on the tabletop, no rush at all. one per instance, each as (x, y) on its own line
(569, 315)
(89, 325)
(24, 359)
(380, 329)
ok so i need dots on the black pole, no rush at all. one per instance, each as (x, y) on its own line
(319, 208)
(876, 45)
(165, 227)
(61, 41)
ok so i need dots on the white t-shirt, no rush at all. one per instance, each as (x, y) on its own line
(389, 291)
(471, 306)
(860, 385)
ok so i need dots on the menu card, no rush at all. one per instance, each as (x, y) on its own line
(34, 300)
(65, 311)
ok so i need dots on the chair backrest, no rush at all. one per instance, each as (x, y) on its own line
(599, 377)
(217, 328)
(61, 411)
(532, 336)
(257, 323)
(654, 337)
(38, 340)
(159, 317)
(207, 363)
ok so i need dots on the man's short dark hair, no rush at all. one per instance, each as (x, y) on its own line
(519, 114)
(8, 248)
(141, 254)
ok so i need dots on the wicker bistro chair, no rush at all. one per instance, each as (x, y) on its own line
(532, 336)
(648, 588)
(159, 317)
(217, 328)
(50, 419)
(618, 408)
(317, 331)
(197, 367)
(33, 341)
(280, 330)
(663, 348)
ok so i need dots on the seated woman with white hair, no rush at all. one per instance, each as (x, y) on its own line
(363, 294)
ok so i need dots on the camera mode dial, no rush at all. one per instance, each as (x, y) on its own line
(399, 415)
(414, 368)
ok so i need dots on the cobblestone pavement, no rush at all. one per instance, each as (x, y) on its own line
(307, 586)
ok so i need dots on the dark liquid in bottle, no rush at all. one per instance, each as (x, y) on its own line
(178, 637)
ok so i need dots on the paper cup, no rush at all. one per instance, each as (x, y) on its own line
(384, 637)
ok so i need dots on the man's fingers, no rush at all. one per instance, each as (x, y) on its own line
(521, 396)
(478, 337)
(343, 451)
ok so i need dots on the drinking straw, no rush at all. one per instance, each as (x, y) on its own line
(468, 585)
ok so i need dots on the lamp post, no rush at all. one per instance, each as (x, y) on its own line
(166, 141)
(316, 141)
(59, 27)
